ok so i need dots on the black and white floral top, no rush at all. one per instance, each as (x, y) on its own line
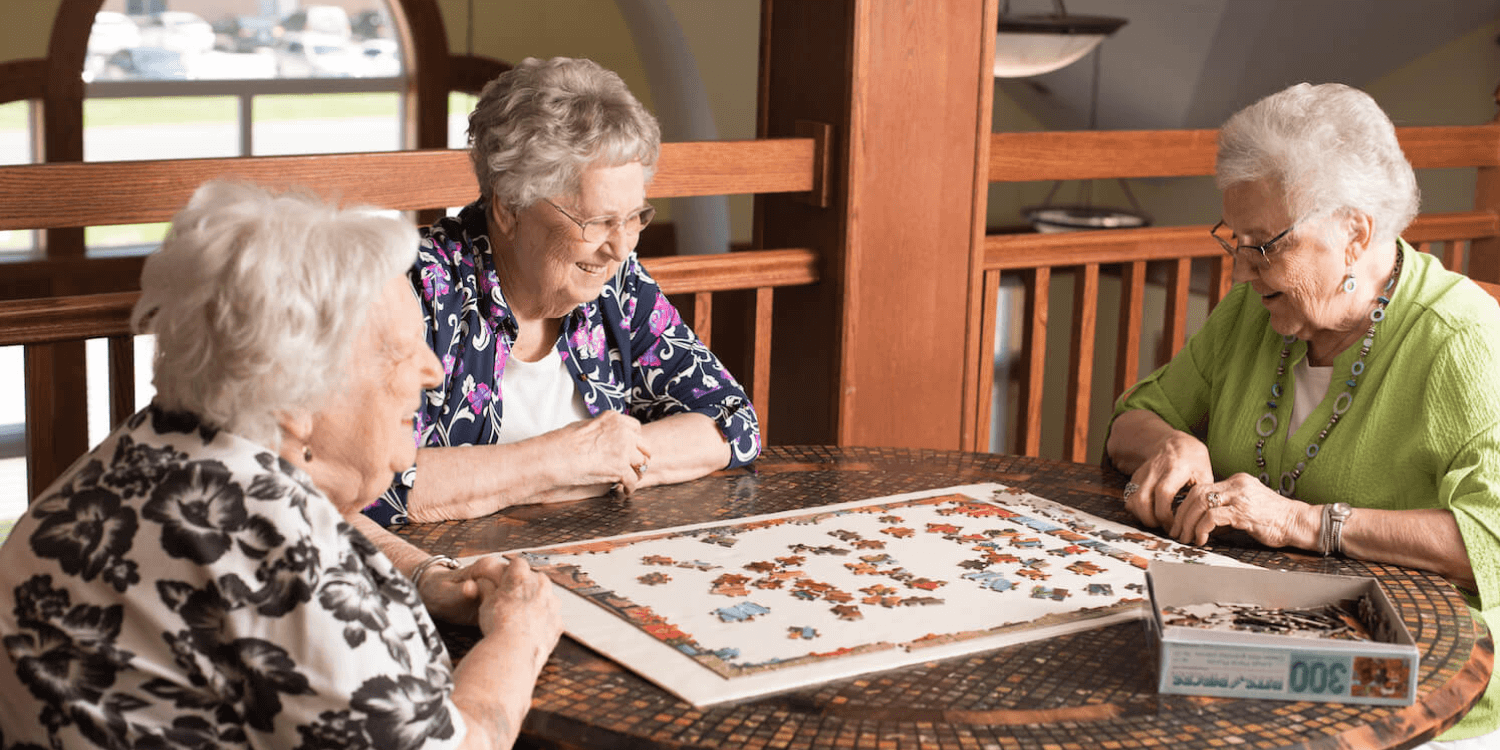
(183, 587)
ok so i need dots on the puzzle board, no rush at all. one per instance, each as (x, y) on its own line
(725, 611)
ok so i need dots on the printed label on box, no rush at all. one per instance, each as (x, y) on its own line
(1249, 673)
(1297, 675)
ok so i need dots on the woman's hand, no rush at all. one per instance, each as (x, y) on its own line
(518, 604)
(452, 595)
(1242, 502)
(1179, 461)
(605, 450)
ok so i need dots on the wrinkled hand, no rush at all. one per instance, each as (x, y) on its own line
(520, 606)
(603, 451)
(1242, 502)
(1181, 462)
(453, 595)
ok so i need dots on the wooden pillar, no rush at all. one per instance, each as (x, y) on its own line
(875, 354)
(1484, 254)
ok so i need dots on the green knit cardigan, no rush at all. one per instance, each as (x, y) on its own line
(1423, 430)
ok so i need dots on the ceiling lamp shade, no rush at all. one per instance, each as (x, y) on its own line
(1031, 45)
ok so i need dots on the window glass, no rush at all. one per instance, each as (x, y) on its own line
(13, 490)
(15, 148)
(327, 123)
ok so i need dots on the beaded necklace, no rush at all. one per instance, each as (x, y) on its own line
(1268, 422)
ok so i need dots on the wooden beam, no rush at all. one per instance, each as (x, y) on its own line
(1016, 251)
(70, 195)
(1088, 155)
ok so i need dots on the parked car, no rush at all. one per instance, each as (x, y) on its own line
(382, 58)
(246, 33)
(111, 33)
(295, 59)
(144, 63)
(370, 24)
(177, 30)
(329, 21)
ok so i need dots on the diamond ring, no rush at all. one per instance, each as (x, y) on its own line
(1130, 489)
(1214, 500)
(640, 469)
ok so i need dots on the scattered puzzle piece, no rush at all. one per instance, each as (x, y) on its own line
(654, 579)
(848, 612)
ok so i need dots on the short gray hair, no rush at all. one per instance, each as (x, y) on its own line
(1330, 147)
(255, 299)
(539, 125)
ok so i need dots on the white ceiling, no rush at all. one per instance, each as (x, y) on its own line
(1192, 63)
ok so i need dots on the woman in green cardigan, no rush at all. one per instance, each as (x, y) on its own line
(1344, 398)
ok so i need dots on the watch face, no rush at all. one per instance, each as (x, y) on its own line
(1342, 511)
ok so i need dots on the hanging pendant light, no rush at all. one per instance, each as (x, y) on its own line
(1083, 215)
(1030, 45)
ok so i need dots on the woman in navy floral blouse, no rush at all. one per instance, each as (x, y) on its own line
(191, 582)
(566, 372)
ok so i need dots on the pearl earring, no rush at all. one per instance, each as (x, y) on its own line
(1350, 284)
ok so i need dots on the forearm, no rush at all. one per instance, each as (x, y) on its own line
(1136, 436)
(402, 553)
(1427, 538)
(492, 689)
(471, 481)
(683, 447)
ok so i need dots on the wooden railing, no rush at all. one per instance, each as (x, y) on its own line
(1467, 240)
(90, 194)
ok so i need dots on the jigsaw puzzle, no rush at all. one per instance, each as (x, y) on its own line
(722, 611)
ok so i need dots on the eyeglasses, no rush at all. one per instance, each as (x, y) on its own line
(1264, 260)
(604, 227)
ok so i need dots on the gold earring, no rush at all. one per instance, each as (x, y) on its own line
(307, 453)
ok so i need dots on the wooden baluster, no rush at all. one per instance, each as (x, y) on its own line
(1223, 272)
(1081, 356)
(1034, 349)
(1457, 252)
(1178, 277)
(1133, 296)
(121, 379)
(703, 316)
(760, 368)
(56, 424)
(985, 402)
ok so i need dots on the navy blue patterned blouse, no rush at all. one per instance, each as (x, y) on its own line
(628, 351)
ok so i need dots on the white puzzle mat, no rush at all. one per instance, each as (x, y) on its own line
(724, 611)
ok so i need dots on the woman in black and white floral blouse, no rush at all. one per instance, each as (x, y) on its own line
(192, 581)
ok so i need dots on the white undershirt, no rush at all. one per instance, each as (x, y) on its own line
(538, 397)
(1312, 387)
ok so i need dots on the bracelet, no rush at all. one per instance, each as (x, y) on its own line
(421, 569)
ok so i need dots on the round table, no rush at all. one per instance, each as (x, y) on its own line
(1094, 690)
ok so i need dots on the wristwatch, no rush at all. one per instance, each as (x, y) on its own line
(1334, 516)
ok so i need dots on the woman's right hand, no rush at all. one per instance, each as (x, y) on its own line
(1178, 462)
(518, 605)
(602, 451)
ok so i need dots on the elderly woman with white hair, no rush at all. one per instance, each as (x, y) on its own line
(566, 371)
(192, 582)
(1341, 398)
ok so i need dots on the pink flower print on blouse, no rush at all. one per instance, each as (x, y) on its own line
(434, 281)
(448, 362)
(649, 358)
(479, 396)
(663, 315)
(589, 341)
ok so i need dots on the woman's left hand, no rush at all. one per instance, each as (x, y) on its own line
(1242, 502)
(452, 595)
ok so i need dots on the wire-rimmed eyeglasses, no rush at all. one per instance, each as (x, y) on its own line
(604, 227)
(1260, 259)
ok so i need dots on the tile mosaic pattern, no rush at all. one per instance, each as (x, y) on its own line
(1087, 691)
